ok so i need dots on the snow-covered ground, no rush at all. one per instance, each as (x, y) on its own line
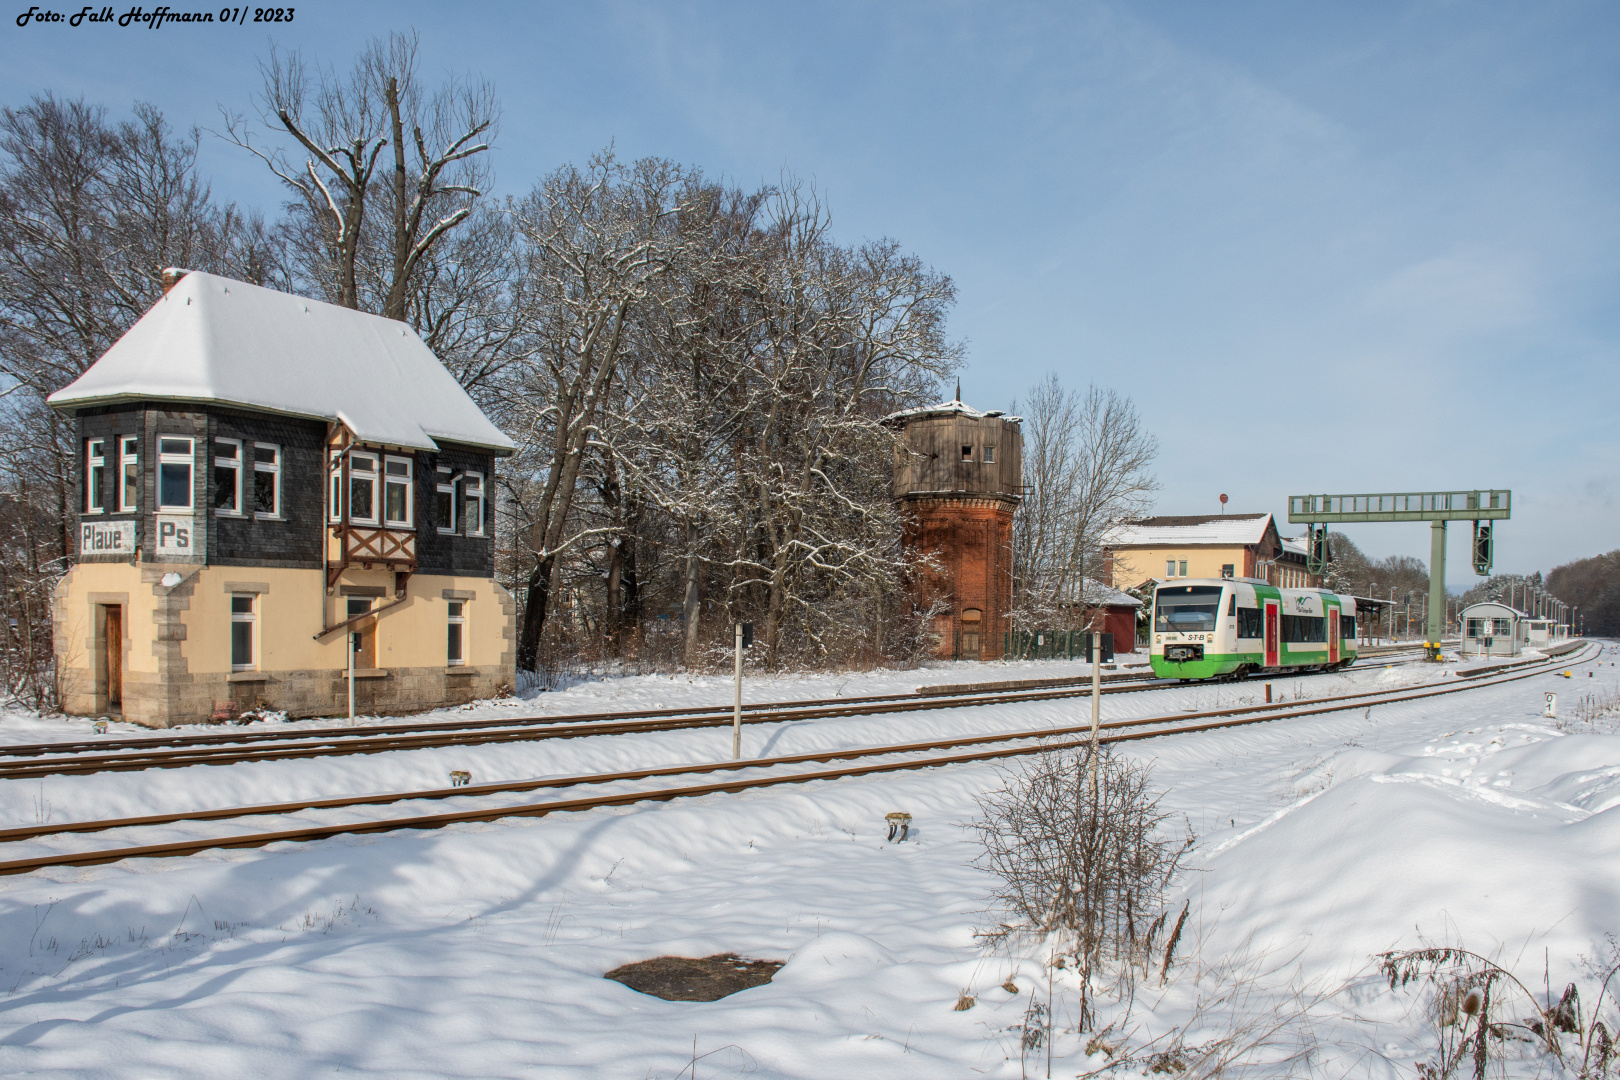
(478, 951)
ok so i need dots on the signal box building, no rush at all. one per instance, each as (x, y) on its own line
(958, 475)
(1493, 629)
(262, 475)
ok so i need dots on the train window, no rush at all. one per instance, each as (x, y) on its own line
(1248, 622)
(1186, 608)
(1304, 629)
(1347, 627)
(1231, 604)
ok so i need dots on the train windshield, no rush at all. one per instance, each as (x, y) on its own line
(1186, 608)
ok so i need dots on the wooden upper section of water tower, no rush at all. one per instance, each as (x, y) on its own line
(953, 450)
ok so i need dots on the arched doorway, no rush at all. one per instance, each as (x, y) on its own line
(972, 626)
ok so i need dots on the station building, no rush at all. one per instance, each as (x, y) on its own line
(958, 476)
(1159, 549)
(261, 476)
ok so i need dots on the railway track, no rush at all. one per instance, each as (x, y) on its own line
(39, 760)
(990, 747)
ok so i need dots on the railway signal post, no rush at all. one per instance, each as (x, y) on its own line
(1436, 507)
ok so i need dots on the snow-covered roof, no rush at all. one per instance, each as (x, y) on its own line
(1495, 606)
(1295, 546)
(945, 409)
(1180, 531)
(1099, 595)
(212, 339)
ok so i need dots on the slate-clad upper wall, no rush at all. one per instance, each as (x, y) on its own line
(293, 540)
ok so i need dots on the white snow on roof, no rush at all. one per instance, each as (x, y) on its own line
(1298, 547)
(1099, 595)
(1494, 606)
(212, 339)
(1214, 531)
(954, 407)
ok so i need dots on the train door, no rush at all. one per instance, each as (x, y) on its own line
(1333, 635)
(1273, 657)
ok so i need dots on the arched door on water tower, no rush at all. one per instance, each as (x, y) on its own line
(972, 627)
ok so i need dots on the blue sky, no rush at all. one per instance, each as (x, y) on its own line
(1335, 248)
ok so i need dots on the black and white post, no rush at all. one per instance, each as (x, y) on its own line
(1096, 704)
(736, 710)
(351, 636)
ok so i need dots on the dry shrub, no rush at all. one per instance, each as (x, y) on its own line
(1076, 841)
(1484, 1017)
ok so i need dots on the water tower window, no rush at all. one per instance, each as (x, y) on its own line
(989, 455)
(967, 453)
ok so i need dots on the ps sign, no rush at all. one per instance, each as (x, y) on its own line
(107, 538)
(175, 535)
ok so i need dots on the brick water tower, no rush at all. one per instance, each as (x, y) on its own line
(958, 475)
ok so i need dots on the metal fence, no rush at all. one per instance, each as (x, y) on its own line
(1053, 645)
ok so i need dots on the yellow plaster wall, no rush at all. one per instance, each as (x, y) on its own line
(78, 609)
(291, 608)
(1134, 565)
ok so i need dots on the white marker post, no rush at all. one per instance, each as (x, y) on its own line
(736, 712)
(1550, 710)
(1096, 704)
(349, 636)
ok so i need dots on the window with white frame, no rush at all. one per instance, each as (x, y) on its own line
(334, 487)
(175, 461)
(1169, 568)
(266, 480)
(472, 502)
(456, 644)
(363, 488)
(397, 492)
(1183, 567)
(95, 471)
(989, 454)
(444, 499)
(228, 476)
(129, 473)
(244, 623)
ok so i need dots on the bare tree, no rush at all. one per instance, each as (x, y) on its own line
(847, 336)
(593, 243)
(1089, 463)
(90, 213)
(368, 255)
